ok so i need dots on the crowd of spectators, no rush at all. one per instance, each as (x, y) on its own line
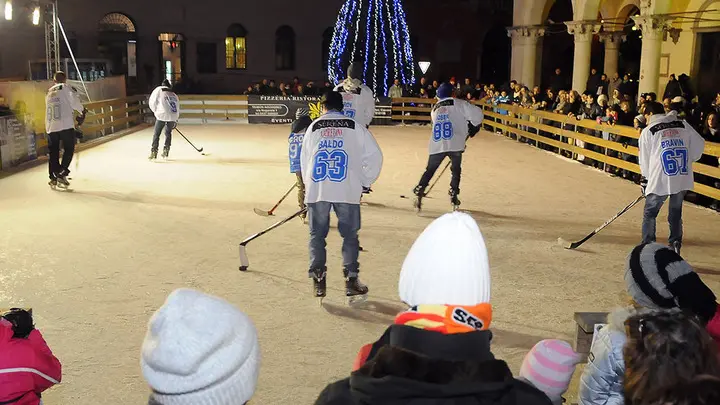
(200, 349)
(268, 87)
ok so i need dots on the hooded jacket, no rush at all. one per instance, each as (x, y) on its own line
(27, 367)
(422, 366)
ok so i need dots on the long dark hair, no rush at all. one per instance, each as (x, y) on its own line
(665, 352)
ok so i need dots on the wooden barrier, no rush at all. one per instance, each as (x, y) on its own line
(214, 107)
(561, 134)
(109, 116)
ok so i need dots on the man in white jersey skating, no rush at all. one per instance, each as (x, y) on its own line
(60, 103)
(165, 104)
(451, 121)
(668, 147)
(358, 99)
(339, 158)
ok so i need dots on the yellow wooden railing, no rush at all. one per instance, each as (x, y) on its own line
(561, 136)
(214, 107)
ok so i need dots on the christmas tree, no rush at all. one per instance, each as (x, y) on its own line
(375, 33)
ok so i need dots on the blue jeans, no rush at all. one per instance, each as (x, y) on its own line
(168, 133)
(653, 204)
(348, 216)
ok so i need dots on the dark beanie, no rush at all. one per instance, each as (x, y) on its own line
(445, 90)
(658, 278)
(166, 83)
(355, 70)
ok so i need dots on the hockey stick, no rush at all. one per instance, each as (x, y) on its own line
(191, 144)
(270, 213)
(244, 261)
(575, 245)
(434, 182)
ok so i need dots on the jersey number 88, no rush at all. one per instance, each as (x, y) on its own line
(442, 130)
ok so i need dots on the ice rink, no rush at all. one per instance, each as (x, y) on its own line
(95, 263)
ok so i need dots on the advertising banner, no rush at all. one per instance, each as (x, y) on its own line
(281, 110)
(17, 142)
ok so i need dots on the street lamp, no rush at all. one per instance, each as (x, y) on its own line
(36, 16)
(8, 10)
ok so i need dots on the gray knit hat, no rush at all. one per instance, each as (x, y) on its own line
(658, 278)
(355, 71)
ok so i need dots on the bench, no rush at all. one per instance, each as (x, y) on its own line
(586, 322)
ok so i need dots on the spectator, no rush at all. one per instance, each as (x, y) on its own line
(310, 89)
(615, 100)
(550, 100)
(467, 88)
(549, 367)
(538, 99)
(686, 87)
(422, 84)
(666, 104)
(295, 85)
(594, 82)
(328, 87)
(573, 106)
(673, 88)
(625, 116)
(602, 101)
(423, 93)
(454, 83)
(272, 89)
(249, 91)
(562, 99)
(395, 90)
(558, 81)
(656, 278)
(479, 93)
(428, 355)
(257, 90)
(667, 356)
(27, 366)
(614, 84)
(711, 133)
(591, 110)
(264, 87)
(200, 349)
(626, 87)
(300, 91)
(432, 90)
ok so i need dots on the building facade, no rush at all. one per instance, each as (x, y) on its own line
(678, 37)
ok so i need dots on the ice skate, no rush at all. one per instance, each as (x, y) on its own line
(62, 182)
(454, 201)
(676, 247)
(153, 155)
(419, 194)
(53, 184)
(355, 291)
(165, 153)
(319, 277)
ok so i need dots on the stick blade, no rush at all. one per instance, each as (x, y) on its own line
(567, 245)
(244, 261)
(262, 213)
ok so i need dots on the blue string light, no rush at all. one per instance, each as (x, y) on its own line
(384, 21)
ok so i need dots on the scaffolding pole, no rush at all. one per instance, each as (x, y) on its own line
(52, 39)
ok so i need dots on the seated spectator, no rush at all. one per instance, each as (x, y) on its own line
(200, 349)
(438, 351)
(670, 359)
(396, 90)
(656, 278)
(549, 367)
(27, 366)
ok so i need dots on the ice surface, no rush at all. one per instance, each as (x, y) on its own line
(95, 264)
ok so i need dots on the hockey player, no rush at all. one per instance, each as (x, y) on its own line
(358, 99)
(60, 102)
(668, 146)
(453, 121)
(295, 141)
(339, 157)
(166, 106)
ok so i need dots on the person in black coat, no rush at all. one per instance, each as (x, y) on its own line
(437, 353)
(672, 89)
(593, 81)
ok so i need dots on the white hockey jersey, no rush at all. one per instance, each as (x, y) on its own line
(668, 147)
(358, 100)
(450, 118)
(339, 157)
(60, 102)
(165, 104)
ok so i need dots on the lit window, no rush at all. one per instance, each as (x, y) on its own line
(236, 48)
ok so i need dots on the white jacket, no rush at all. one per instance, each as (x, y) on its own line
(60, 102)
(359, 101)
(668, 147)
(450, 118)
(339, 157)
(165, 104)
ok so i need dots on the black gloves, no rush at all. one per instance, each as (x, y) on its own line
(22, 322)
(81, 118)
(643, 184)
(78, 134)
(472, 129)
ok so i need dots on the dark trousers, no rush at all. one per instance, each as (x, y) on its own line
(434, 162)
(66, 138)
(168, 134)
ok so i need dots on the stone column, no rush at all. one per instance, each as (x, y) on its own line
(612, 42)
(652, 28)
(526, 45)
(583, 32)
